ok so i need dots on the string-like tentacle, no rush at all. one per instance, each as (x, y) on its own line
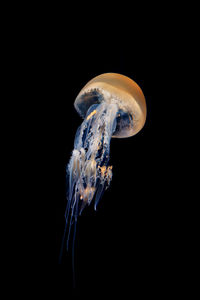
(88, 171)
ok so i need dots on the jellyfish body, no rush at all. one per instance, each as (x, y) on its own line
(112, 105)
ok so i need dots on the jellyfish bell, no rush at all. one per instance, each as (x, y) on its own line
(112, 105)
(120, 89)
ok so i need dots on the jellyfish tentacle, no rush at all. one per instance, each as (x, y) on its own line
(88, 171)
(99, 194)
(73, 243)
(72, 217)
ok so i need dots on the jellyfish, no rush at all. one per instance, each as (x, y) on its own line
(112, 106)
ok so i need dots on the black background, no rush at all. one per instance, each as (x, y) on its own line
(135, 243)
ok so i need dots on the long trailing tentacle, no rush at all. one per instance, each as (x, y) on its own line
(88, 173)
